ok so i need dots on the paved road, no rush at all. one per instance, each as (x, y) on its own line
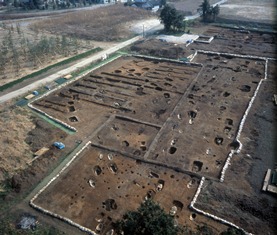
(83, 63)
(87, 61)
(63, 72)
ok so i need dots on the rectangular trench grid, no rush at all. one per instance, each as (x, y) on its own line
(241, 42)
(202, 130)
(139, 88)
(125, 135)
(100, 186)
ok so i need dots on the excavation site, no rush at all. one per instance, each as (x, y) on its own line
(178, 132)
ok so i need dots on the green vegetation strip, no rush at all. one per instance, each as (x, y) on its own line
(83, 70)
(64, 62)
(52, 122)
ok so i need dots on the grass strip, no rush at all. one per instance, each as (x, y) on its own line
(85, 69)
(64, 62)
(52, 122)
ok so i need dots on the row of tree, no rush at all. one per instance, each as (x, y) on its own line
(53, 4)
(209, 13)
(17, 51)
(173, 20)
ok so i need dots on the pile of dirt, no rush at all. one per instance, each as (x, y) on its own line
(24, 179)
(157, 48)
(43, 135)
(22, 134)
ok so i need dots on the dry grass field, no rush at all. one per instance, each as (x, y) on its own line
(22, 134)
(28, 45)
(104, 24)
(16, 153)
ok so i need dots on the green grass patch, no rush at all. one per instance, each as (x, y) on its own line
(54, 123)
(37, 73)
(99, 63)
(21, 102)
(60, 81)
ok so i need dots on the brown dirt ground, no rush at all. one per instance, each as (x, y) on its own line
(22, 134)
(225, 40)
(127, 187)
(217, 94)
(247, 200)
(188, 6)
(154, 47)
(121, 90)
(240, 198)
(263, 11)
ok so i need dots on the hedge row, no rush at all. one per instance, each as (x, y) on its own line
(64, 62)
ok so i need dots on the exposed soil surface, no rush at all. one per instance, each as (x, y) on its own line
(187, 6)
(240, 199)
(157, 122)
(179, 116)
(157, 48)
(249, 207)
(225, 40)
(23, 134)
(114, 186)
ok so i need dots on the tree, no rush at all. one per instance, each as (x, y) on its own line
(149, 219)
(205, 8)
(171, 18)
(232, 231)
(162, 3)
(178, 22)
(209, 11)
(215, 12)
